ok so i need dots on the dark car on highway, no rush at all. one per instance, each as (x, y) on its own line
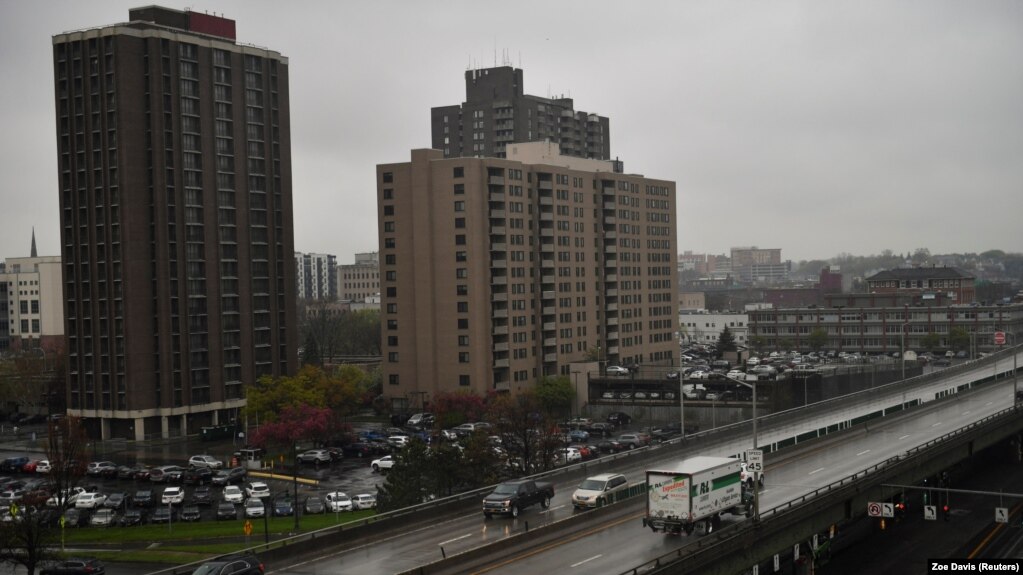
(236, 564)
(76, 566)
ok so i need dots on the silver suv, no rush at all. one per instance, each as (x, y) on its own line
(602, 487)
(205, 461)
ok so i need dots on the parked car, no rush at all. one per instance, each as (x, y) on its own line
(132, 518)
(257, 490)
(101, 468)
(75, 517)
(76, 566)
(197, 476)
(570, 455)
(89, 500)
(602, 429)
(235, 564)
(283, 508)
(13, 464)
(190, 513)
(233, 494)
(632, 440)
(116, 500)
(616, 370)
(578, 435)
(314, 456)
(202, 495)
(143, 498)
(142, 472)
(68, 497)
(314, 505)
(254, 507)
(173, 496)
(364, 501)
(226, 510)
(337, 501)
(232, 475)
(102, 518)
(162, 515)
(382, 464)
(166, 474)
(619, 418)
(357, 449)
(420, 420)
(603, 485)
(205, 461)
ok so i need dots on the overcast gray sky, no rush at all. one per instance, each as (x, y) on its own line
(816, 127)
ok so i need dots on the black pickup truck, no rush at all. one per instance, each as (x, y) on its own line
(511, 497)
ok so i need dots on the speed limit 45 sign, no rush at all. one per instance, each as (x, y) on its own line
(755, 460)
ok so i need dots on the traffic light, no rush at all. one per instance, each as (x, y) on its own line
(945, 512)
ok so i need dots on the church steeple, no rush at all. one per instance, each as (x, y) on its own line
(34, 253)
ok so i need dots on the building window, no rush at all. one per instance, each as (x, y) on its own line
(391, 275)
(461, 256)
(392, 324)
(389, 259)
(388, 210)
(388, 177)
(463, 323)
(463, 307)
(460, 223)
(461, 273)
(392, 291)
(388, 226)
(392, 379)
(459, 172)
(389, 243)
(459, 206)
(463, 380)
(392, 340)
(459, 189)
(392, 357)
(463, 357)
(462, 289)
(388, 194)
(463, 341)
(460, 240)
(392, 308)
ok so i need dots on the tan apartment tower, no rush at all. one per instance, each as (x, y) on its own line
(498, 272)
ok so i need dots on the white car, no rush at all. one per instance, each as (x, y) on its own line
(205, 461)
(571, 455)
(398, 441)
(384, 463)
(257, 489)
(43, 466)
(617, 370)
(364, 501)
(316, 456)
(173, 496)
(70, 497)
(747, 477)
(90, 500)
(233, 494)
(605, 484)
(337, 501)
(254, 507)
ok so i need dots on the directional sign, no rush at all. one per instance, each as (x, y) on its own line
(795, 552)
(777, 562)
(814, 544)
(248, 528)
(931, 512)
(1001, 514)
(874, 509)
(887, 510)
(755, 460)
(999, 338)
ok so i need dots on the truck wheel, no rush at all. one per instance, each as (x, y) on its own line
(716, 521)
(515, 511)
(708, 527)
(546, 502)
(688, 528)
(487, 515)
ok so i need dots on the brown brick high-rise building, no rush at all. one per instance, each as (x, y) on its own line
(176, 221)
(496, 272)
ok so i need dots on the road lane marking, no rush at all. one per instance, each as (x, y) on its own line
(816, 471)
(455, 539)
(587, 560)
(549, 509)
(966, 413)
(904, 436)
(936, 424)
(862, 452)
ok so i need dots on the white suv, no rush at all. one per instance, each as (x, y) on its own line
(205, 461)
(747, 477)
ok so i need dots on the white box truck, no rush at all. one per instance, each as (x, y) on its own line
(699, 489)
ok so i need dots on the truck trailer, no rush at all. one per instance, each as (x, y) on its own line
(698, 489)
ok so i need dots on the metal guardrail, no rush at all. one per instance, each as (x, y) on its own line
(736, 534)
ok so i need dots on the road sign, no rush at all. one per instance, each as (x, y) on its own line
(887, 510)
(755, 460)
(999, 338)
(1001, 514)
(14, 509)
(777, 562)
(248, 528)
(931, 512)
(814, 544)
(874, 509)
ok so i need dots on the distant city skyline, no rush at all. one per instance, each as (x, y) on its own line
(817, 128)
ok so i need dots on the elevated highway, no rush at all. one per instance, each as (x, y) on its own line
(819, 456)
